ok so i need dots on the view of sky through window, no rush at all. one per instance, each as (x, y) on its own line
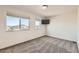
(17, 23)
(12, 21)
(24, 21)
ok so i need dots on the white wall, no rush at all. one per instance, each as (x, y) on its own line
(12, 38)
(63, 26)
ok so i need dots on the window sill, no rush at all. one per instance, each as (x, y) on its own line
(19, 30)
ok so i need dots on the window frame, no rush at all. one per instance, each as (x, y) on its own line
(28, 18)
(38, 27)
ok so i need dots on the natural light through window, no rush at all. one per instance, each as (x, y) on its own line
(37, 24)
(24, 24)
(16, 23)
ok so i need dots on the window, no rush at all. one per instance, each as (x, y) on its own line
(37, 24)
(24, 24)
(16, 23)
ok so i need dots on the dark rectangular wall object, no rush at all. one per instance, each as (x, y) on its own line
(45, 21)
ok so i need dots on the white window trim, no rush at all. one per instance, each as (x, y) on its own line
(20, 24)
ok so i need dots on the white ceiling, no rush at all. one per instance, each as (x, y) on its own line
(52, 10)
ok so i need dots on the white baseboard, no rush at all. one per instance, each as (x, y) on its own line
(61, 38)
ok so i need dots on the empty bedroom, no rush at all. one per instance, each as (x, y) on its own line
(39, 29)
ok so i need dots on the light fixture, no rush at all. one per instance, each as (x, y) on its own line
(44, 6)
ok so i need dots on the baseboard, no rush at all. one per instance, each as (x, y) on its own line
(61, 38)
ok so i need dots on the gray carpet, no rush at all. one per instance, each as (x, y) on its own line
(43, 44)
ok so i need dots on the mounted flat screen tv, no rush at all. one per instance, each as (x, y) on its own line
(45, 21)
